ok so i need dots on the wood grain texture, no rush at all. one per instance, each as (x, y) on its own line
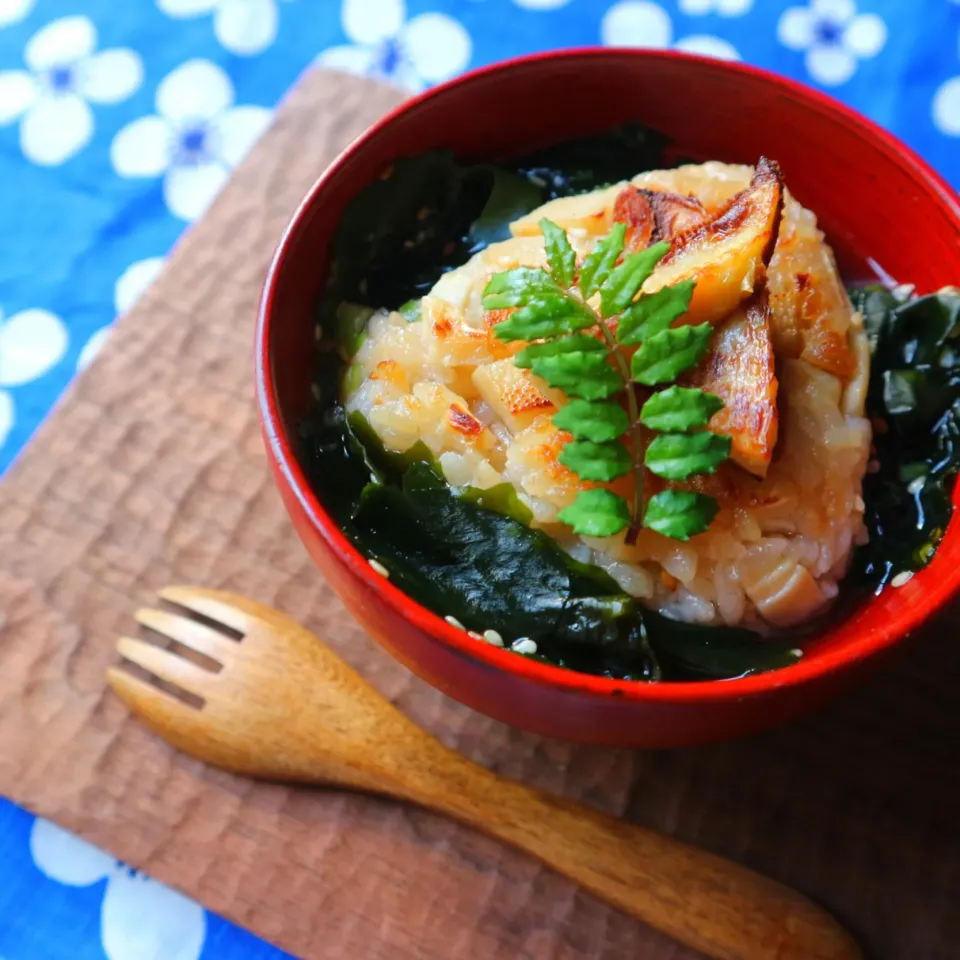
(151, 472)
(280, 705)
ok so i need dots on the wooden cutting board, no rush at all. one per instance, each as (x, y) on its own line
(151, 472)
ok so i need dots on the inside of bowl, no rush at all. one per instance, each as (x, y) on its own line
(881, 209)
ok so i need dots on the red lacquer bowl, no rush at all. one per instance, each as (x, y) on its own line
(882, 208)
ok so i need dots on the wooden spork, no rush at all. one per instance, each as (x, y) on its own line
(283, 706)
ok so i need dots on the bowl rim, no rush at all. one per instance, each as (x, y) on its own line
(285, 461)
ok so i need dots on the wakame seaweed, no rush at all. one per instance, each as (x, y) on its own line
(472, 554)
(429, 213)
(914, 403)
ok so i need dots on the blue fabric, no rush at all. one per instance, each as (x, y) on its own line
(93, 195)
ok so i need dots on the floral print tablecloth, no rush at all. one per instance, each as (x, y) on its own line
(119, 122)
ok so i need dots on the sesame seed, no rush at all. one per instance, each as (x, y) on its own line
(493, 638)
(901, 578)
(797, 652)
(379, 567)
(474, 634)
(524, 645)
(454, 622)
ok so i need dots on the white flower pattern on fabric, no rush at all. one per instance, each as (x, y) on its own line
(244, 27)
(130, 286)
(541, 4)
(725, 8)
(133, 282)
(92, 347)
(193, 141)
(429, 48)
(6, 416)
(13, 11)
(834, 36)
(64, 73)
(32, 343)
(640, 23)
(946, 108)
(707, 45)
(141, 919)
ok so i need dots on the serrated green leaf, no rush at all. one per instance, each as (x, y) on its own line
(598, 421)
(577, 341)
(625, 281)
(680, 514)
(596, 513)
(596, 461)
(676, 456)
(597, 266)
(664, 356)
(560, 255)
(579, 374)
(679, 408)
(551, 315)
(654, 312)
(517, 287)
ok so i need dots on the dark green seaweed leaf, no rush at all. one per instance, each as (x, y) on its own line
(383, 462)
(511, 196)
(500, 498)
(690, 651)
(352, 325)
(576, 166)
(915, 398)
(489, 571)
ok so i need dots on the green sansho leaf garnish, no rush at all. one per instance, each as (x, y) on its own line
(597, 513)
(596, 461)
(665, 355)
(580, 374)
(598, 265)
(680, 513)
(587, 420)
(653, 313)
(560, 255)
(679, 408)
(625, 281)
(676, 456)
(581, 342)
(583, 352)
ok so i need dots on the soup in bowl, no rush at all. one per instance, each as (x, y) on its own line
(612, 406)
